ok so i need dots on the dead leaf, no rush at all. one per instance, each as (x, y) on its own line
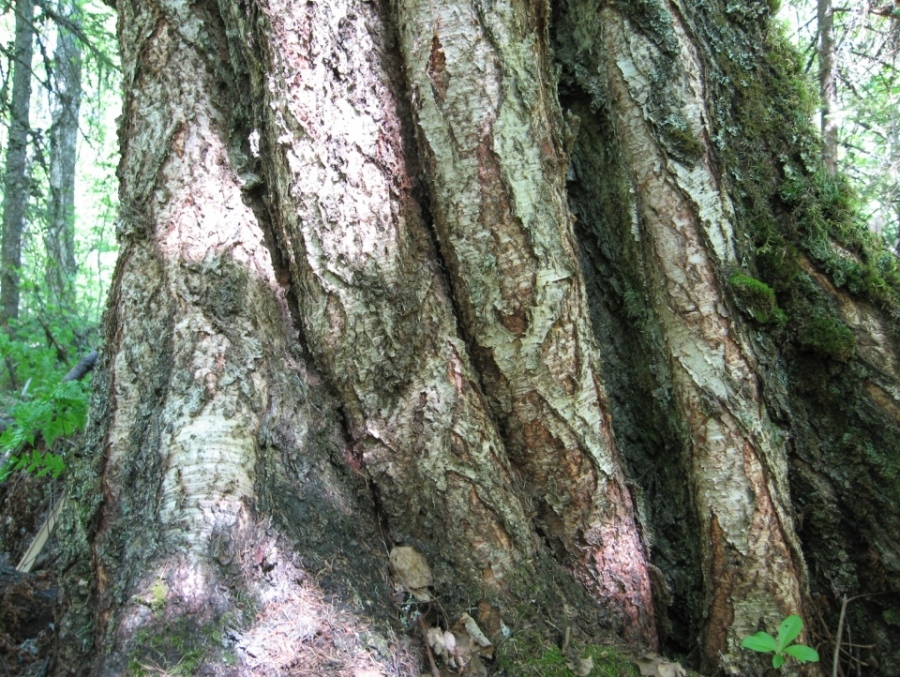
(581, 666)
(652, 665)
(411, 572)
(435, 639)
(467, 626)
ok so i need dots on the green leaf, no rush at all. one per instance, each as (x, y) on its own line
(802, 653)
(761, 641)
(788, 631)
(777, 661)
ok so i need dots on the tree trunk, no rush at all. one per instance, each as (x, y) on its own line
(827, 84)
(60, 237)
(353, 312)
(15, 178)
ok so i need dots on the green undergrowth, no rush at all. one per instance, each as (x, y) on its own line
(794, 211)
(180, 648)
(36, 407)
(531, 654)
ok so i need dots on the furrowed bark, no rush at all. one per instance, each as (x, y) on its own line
(374, 308)
(213, 452)
(752, 562)
(350, 314)
(683, 221)
(374, 311)
(492, 135)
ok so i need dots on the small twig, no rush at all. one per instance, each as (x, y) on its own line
(61, 353)
(434, 670)
(840, 630)
(837, 640)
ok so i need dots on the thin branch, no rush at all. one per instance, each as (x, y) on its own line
(837, 641)
(75, 29)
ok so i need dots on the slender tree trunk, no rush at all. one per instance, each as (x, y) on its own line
(15, 179)
(827, 84)
(60, 236)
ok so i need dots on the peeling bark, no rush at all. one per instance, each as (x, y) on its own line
(353, 311)
(738, 464)
(492, 137)
(212, 444)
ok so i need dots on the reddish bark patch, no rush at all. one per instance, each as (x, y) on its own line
(721, 613)
(489, 619)
(437, 70)
(511, 249)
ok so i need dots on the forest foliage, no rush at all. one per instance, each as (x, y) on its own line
(55, 325)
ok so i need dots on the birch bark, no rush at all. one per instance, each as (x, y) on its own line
(15, 181)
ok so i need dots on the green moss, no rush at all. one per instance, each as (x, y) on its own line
(828, 336)
(757, 299)
(793, 209)
(159, 593)
(178, 648)
(681, 142)
(529, 654)
(779, 263)
(653, 19)
(891, 617)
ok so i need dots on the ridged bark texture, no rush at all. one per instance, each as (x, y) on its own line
(354, 311)
(693, 149)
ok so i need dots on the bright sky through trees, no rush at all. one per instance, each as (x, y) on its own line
(867, 39)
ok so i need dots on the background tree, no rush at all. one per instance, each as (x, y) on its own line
(854, 47)
(38, 414)
(353, 312)
(47, 255)
(60, 233)
(827, 91)
(15, 178)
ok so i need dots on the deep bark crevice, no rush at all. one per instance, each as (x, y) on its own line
(352, 312)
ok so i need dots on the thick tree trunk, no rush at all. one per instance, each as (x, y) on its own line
(15, 177)
(353, 312)
(60, 237)
(685, 176)
(684, 225)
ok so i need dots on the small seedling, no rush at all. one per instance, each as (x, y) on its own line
(788, 631)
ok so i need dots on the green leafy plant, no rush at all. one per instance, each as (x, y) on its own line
(781, 646)
(58, 413)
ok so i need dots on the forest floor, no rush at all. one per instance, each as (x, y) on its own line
(27, 601)
(28, 607)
